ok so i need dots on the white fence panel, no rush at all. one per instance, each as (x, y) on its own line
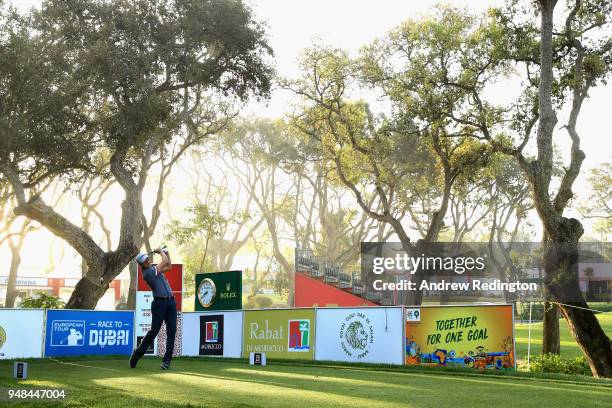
(366, 335)
(21, 333)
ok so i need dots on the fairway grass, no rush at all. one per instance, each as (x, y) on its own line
(110, 382)
(569, 347)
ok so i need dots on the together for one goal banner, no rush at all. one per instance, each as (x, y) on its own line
(465, 336)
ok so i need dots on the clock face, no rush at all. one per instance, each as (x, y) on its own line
(206, 292)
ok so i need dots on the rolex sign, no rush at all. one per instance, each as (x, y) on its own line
(218, 291)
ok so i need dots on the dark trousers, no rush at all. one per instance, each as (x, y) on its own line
(162, 311)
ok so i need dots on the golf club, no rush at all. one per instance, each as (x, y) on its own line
(163, 248)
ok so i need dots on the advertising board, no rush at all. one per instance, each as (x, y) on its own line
(88, 332)
(212, 334)
(21, 333)
(280, 333)
(465, 336)
(365, 335)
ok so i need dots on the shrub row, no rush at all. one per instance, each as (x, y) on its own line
(552, 363)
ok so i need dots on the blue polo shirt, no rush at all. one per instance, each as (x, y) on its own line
(157, 282)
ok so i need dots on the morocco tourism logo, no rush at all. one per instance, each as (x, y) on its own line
(211, 335)
(299, 335)
(356, 335)
(212, 332)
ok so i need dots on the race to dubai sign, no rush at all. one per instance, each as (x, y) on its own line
(282, 333)
(89, 332)
(372, 335)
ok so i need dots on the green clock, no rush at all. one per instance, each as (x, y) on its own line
(218, 291)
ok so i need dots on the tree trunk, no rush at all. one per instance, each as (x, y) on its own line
(291, 291)
(285, 266)
(550, 325)
(83, 267)
(85, 295)
(90, 289)
(11, 287)
(551, 342)
(101, 272)
(414, 297)
(86, 226)
(131, 300)
(561, 258)
(591, 338)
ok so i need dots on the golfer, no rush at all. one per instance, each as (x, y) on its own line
(163, 308)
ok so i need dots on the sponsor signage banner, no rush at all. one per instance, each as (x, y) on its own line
(464, 336)
(21, 333)
(212, 334)
(218, 291)
(369, 335)
(88, 332)
(26, 281)
(143, 319)
(283, 333)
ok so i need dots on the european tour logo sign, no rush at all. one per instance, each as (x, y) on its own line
(279, 333)
(211, 335)
(87, 332)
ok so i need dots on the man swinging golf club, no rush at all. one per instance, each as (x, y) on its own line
(163, 307)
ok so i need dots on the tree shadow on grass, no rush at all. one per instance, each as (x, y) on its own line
(396, 387)
(214, 383)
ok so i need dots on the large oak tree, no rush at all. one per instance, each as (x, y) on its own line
(556, 65)
(124, 78)
(407, 160)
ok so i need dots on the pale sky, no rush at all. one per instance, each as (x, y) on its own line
(295, 25)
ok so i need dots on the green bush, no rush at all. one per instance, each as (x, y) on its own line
(42, 301)
(263, 302)
(552, 363)
(258, 302)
